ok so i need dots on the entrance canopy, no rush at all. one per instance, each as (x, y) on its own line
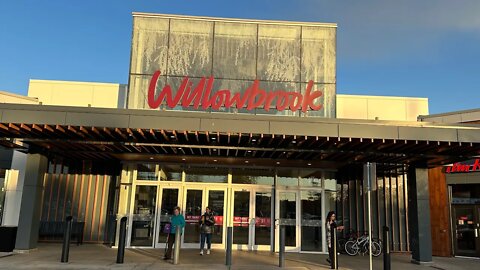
(123, 134)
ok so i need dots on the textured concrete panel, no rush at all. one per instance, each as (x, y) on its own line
(427, 134)
(362, 131)
(177, 123)
(33, 117)
(468, 135)
(99, 120)
(302, 128)
(244, 126)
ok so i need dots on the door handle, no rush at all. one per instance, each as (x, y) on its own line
(476, 233)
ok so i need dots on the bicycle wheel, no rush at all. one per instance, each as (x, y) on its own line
(376, 249)
(351, 248)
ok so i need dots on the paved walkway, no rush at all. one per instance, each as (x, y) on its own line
(47, 256)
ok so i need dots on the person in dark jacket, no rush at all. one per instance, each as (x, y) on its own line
(207, 223)
(329, 224)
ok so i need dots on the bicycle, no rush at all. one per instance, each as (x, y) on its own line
(361, 244)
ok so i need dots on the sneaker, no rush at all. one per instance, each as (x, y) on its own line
(208, 251)
(201, 252)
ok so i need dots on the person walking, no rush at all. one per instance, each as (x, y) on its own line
(329, 224)
(207, 223)
(177, 221)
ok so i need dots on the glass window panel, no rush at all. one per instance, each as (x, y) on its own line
(216, 201)
(149, 45)
(147, 172)
(138, 90)
(235, 50)
(171, 173)
(263, 215)
(287, 177)
(193, 212)
(143, 216)
(241, 217)
(252, 176)
(311, 204)
(169, 201)
(288, 210)
(212, 175)
(278, 53)
(327, 100)
(190, 51)
(318, 54)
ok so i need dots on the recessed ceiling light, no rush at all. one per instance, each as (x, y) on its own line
(183, 159)
(278, 162)
(214, 160)
(213, 138)
(214, 149)
(246, 161)
(179, 148)
(294, 141)
(151, 157)
(254, 140)
(172, 137)
(249, 151)
(309, 164)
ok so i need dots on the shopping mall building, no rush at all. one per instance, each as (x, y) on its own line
(242, 116)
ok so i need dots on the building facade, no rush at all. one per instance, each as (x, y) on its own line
(238, 115)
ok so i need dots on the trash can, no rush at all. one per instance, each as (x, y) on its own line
(8, 234)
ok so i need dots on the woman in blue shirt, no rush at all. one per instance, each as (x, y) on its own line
(177, 220)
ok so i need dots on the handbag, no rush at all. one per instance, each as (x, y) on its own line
(167, 228)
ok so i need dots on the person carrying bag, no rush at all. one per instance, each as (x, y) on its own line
(207, 223)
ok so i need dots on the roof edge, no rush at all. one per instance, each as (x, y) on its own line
(222, 19)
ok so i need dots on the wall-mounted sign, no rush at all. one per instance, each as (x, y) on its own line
(463, 167)
(202, 96)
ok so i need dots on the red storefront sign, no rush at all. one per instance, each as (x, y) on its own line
(252, 98)
(463, 168)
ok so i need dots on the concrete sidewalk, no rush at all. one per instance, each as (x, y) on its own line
(47, 256)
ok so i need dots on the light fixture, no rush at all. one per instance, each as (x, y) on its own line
(214, 160)
(309, 164)
(246, 161)
(254, 140)
(183, 159)
(213, 138)
(278, 162)
(249, 151)
(179, 148)
(151, 157)
(172, 137)
(214, 149)
(294, 141)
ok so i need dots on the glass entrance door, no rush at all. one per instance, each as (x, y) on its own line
(195, 202)
(252, 215)
(169, 198)
(311, 220)
(287, 215)
(467, 229)
(241, 219)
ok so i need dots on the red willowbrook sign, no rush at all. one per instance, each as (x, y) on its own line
(252, 98)
(459, 167)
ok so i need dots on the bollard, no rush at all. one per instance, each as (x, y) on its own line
(386, 249)
(66, 239)
(121, 240)
(281, 250)
(334, 259)
(229, 246)
(176, 249)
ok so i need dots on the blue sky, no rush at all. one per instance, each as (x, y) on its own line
(428, 48)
